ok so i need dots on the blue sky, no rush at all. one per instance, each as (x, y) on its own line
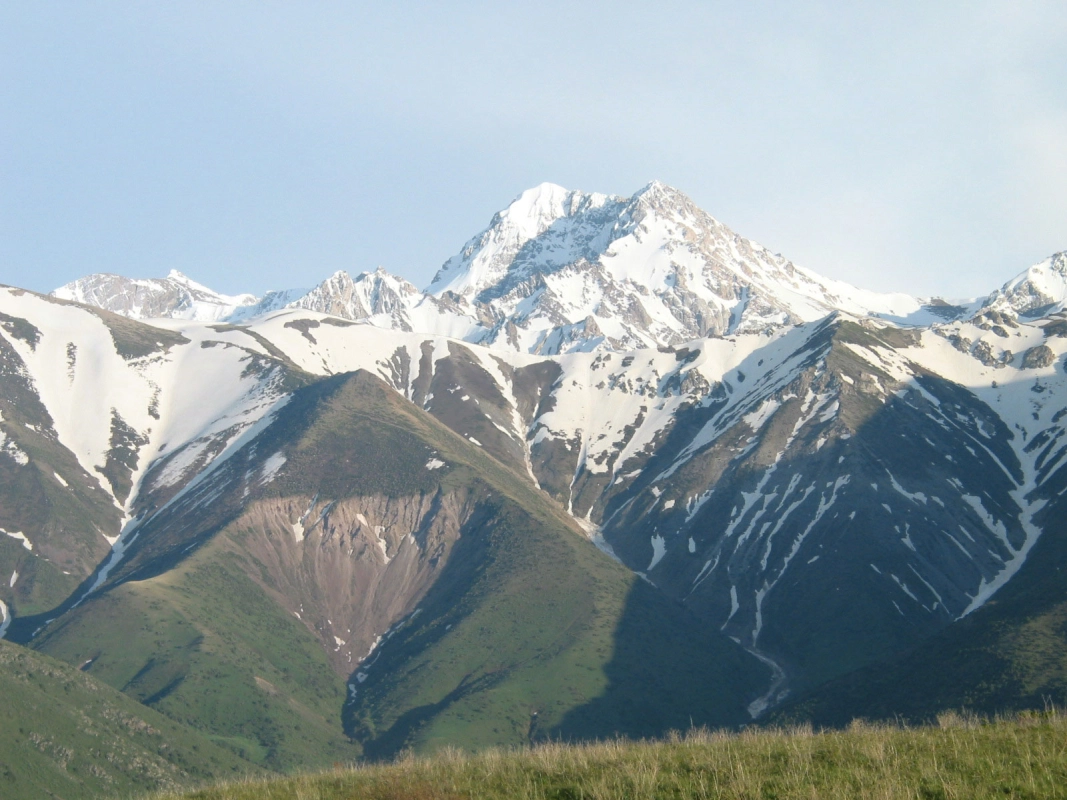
(918, 147)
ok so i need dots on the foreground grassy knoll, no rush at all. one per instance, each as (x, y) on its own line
(963, 757)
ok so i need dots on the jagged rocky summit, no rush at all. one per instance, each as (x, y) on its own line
(558, 271)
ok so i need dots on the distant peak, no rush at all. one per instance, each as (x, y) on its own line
(544, 196)
(548, 187)
(175, 275)
(658, 190)
(380, 273)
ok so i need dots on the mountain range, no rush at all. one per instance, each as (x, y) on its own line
(617, 470)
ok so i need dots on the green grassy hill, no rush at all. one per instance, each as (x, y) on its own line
(204, 645)
(64, 734)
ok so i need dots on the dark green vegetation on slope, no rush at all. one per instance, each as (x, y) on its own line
(525, 630)
(65, 734)
(964, 758)
(1010, 654)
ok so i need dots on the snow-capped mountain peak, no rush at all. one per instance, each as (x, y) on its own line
(543, 228)
(367, 295)
(573, 270)
(561, 270)
(1041, 289)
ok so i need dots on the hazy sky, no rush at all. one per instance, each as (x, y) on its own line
(905, 146)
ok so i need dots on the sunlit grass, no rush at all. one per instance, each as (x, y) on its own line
(962, 757)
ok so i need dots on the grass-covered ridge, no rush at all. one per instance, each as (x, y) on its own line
(65, 734)
(962, 757)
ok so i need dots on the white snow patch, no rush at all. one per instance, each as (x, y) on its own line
(14, 577)
(734, 604)
(707, 569)
(995, 526)
(915, 497)
(988, 588)
(759, 705)
(270, 467)
(908, 542)
(21, 536)
(434, 463)
(59, 478)
(904, 587)
(830, 412)
(5, 619)
(692, 545)
(659, 550)
(382, 547)
(933, 591)
(13, 451)
(758, 418)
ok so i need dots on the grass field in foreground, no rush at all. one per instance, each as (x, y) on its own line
(963, 757)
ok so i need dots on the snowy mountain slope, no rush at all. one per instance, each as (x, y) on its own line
(652, 269)
(559, 271)
(750, 475)
(730, 470)
(93, 403)
(886, 489)
(1036, 292)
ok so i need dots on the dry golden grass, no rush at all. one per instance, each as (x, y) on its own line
(962, 757)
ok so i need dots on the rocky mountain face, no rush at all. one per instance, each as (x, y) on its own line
(279, 535)
(175, 297)
(561, 270)
(1039, 291)
(385, 502)
(557, 271)
(843, 475)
